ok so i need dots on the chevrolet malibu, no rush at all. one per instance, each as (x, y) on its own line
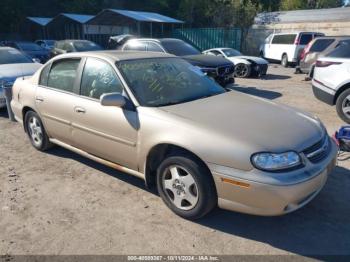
(160, 118)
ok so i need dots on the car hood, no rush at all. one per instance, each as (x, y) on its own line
(206, 60)
(255, 59)
(250, 121)
(12, 71)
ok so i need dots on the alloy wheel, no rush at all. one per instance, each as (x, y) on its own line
(241, 70)
(180, 187)
(346, 106)
(35, 131)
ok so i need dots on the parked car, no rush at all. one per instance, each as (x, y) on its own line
(218, 68)
(70, 46)
(46, 44)
(286, 47)
(245, 66)
(331, 81)
(13, 64)
(318, 48)
(31, 49)
(158, 117)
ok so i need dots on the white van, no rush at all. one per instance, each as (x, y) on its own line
(286, 47)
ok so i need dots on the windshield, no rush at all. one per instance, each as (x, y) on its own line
(231, 52)
(13, 56)
(29, 47)
(180, 48)
(82, 46)
(166, 81)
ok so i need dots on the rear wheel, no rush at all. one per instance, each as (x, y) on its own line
(36, 131)
(186, 187)
(284, 60)
(343, 106)
(242, 70)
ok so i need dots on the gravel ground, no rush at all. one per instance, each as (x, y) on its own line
(60, 203)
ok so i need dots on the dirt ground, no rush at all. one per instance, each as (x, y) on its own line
(60, 203)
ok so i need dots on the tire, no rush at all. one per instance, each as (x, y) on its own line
(284, 60)
(183, 177)
(242, 70)
(36, 131)
(343, 106)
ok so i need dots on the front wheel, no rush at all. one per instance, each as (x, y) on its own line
(242, 70)
(36, 131)
(343, 106)
(186, 187)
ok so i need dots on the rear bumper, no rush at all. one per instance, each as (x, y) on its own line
(323, 93)
(253, 197)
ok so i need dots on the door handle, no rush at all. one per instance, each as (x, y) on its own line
(39, 99)
(79, 110)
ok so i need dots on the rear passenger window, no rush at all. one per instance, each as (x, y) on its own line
(44, 75)
(153, 47)
(62, 74)
(305, 39)
(99, 78)
(135, 46)
(321, 44)
(284, 39)
(343, 51)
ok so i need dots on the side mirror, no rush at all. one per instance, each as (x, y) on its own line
(113, 99)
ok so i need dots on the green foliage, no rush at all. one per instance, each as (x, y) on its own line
(196, 13)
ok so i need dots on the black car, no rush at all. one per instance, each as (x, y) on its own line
(70, 46)
(31, 49)
(217, 67)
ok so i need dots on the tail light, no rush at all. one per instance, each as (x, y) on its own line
(297, 40)
(305, 51)
(326, 63)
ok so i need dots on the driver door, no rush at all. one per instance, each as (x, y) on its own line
(107, 132)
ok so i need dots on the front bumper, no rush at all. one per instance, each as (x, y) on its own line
(2, 99)
(243, 192)
(259, 70)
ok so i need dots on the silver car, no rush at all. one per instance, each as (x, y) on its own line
(160, 118)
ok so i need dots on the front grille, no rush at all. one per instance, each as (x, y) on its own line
(226, 70)
(318, 151)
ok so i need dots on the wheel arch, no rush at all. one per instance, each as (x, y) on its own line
(339, 91)
(26, 109)
(158, 153)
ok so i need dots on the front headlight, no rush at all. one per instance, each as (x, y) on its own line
(276, 162)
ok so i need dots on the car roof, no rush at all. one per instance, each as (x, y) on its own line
(333, 37)
(159, 40)
(117, 55)
(296, 33)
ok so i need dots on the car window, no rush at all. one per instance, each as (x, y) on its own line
(99, 78)
(215, 52)
(180, 48)
(321, 44)
(287, 39)
(13, 56)
(153, 47)
(343, 51)
(68, 47)
(135, 46)
(83, 46)
(62, 74)
(60, 44)
(305, 39)
(44, 75)
(165, 81)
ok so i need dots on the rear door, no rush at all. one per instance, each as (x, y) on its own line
(54, 97)
(304, 39)
(107, 132)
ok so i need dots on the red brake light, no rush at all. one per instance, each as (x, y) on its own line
(305, 51)
(297, 40)
(326, 63)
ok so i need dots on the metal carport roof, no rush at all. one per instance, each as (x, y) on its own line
(43, 21)
(147, 16)
(78, 17)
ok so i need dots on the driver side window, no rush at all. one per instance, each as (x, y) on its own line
(99, 78)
